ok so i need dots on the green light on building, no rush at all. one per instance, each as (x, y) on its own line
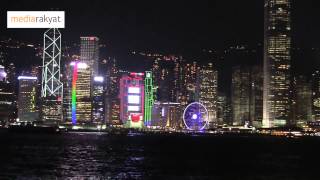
(148, 84)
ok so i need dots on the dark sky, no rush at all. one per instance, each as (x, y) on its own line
(171, 26)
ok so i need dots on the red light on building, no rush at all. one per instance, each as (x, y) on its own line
(135, 117)
(132, 98)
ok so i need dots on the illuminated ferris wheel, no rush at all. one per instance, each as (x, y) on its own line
(195, 116)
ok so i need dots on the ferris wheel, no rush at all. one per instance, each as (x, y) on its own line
(195, 116)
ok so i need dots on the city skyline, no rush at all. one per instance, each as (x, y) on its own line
(234, 71)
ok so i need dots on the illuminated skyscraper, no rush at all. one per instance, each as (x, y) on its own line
(7, 99)
(52, 87)
(98, 97)
(209, 91)
(112, 101)
(149, 98)
(87, 68)
(89, 53)
(132, 99)
(27, 105)
(80, 93)
(277, 56)
(316, 96)
(191, 82)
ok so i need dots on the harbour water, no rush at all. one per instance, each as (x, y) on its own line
(138, 156)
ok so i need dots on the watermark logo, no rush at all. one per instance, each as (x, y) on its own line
(35, 19)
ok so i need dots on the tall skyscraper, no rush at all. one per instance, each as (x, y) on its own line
(209, 91)
(303, 101)
(132, 99)
(80, 93)
(240, 95)
(27, 105)
(277, 56)
(316, 96)
(246, 95)
(86, 69)
(52, 87)
(98, 97)
(7, 99)
(89, 53)
(256, 96)
(112, 101)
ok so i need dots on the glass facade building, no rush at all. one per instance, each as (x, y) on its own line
(277, 57)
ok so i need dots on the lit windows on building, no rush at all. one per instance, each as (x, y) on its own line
(132, 99)
(277, 59)
(27, 105)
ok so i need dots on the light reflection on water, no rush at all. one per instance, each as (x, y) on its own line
(103, 156)
(72, 155)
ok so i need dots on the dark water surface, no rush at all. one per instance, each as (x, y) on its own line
(102, 156)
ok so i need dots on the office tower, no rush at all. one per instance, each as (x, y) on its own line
(256, 96)
(303, 101)
(246, 95)
(52, 87)
(67, 87)
(89, 53)
(86, 69)
(277, 57)
(163, 75)
(240, 95)
(80, 94)
(131, 97)
(191, 82)
(7, 100)
(112, 101)
(224, 115)
(316, 96)
(209, 91)
(179, 87)
(98, 97)
(27, 105)
(149, 98)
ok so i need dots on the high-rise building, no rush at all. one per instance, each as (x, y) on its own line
(303, 101)
(86, 69)
(149, 98)
(224, 110)
(246, 95)
(52, 87)
(98, 97)
(89, 53)
(80, 94)
(7, 100)
(256, 96)
(240, 95)
(112, 101)
(131, 97)
(27, 105)
(277, 57)
(209, 91)
(191, 81)
(316, 96)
